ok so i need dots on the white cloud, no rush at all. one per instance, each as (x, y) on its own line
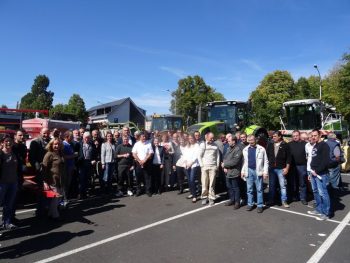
(252, 64)
(175, 71)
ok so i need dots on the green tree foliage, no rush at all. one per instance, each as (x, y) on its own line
(76, 106)
(39, 98)
(336, 86)
(276, 88)
(302, 87)
(191, 92)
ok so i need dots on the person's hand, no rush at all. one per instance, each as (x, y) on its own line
(46, 186)
(225, 170)
(265, 176)
(132, 168)
(93, 162)
(103, 166)
(161, 166)
(313, 173)
(242, 176)
(309, 177)
(285, 171)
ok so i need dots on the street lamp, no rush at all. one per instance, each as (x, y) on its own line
(168, 90)
(315, 66)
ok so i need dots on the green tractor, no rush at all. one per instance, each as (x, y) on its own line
(228, 116)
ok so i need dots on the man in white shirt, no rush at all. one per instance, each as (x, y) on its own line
(142, 152)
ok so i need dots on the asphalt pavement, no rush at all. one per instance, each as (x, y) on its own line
(169, 228)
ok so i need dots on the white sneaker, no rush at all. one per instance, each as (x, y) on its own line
(204, 201)
(130, 193)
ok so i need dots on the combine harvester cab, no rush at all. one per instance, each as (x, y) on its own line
(229, 116)
(306, 115)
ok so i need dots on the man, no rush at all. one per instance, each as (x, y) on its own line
(19, 148)
(126, 132)
(304, 136)
(243, 140)
(197, 137)
(87, 158)
(143, 152)
(319, 176)
(279, 162)
(81, 132)
(69, 165)
(232, 165)
(116, 136)
(76, 143)
(209, 160)
(298, 175)
(125, 166)
(336, 158)
(238, 136)
(255, 169)
(37, 151)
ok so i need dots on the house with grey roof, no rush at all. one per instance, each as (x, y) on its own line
(118, 111)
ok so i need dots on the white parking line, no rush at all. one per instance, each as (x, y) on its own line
(302, 214)
(101, 242)
(321, 251)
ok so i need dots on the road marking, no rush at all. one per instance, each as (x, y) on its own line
(321, 251)
(101, 242)
(302, 214)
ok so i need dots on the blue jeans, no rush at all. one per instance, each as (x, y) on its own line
(8, 193)
(319, 188)
(252, 179)
(334, 177)
(302, 173)
(108, 175)
(234, 193)
(274, 175)
(192, 174)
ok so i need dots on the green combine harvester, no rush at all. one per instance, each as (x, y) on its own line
(308, 114)
(228, 116)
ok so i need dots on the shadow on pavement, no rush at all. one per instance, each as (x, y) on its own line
(40, 243)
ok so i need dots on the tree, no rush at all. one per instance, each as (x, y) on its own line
(303, 89)
(336, 85)
(267, 99)
(76, 106)
(39, 98)
(190, 93)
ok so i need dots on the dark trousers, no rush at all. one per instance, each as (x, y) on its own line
(234, 193)
(85, 171)
(156, 176)
(181, 173)
(125, 176)
(143, 175)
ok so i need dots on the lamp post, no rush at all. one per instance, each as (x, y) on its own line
(319, 74)
(168, 90)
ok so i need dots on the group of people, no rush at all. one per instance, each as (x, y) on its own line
(67, 164)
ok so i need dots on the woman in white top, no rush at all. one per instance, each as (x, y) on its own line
(108, 156)
(181, 165)
(192, 166)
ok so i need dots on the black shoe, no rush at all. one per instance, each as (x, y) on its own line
(181, 191)
(229, 203)
(149, 194)
(270, 203)
(259, 210)
(249, 208)
(237, 206)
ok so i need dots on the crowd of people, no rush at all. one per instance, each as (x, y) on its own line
(68, 165)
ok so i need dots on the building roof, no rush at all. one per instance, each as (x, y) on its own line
(109, 104)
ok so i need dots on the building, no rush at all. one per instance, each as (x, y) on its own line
(118, 111)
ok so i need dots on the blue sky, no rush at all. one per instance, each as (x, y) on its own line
(106, 50)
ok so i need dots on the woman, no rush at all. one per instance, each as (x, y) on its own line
(108, 156)
(8, 182)
(167, 172)
(192, 166)
(181, 165)
(157, 165)
(53, 168)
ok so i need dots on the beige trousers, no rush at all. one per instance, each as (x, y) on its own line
(208, 182)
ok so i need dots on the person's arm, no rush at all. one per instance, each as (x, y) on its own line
(266, 164)
(288, 160)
